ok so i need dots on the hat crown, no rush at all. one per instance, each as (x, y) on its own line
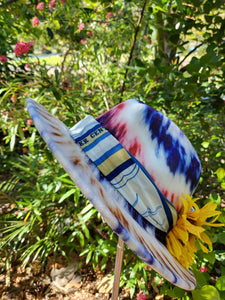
(158, 144)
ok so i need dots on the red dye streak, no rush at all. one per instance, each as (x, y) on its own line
(121, 132)
(116, 110)
(172, 197)
(135, 149)
(153, 178)
(120, 106)
(165, 193)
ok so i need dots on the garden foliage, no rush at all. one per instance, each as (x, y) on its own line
(170, 54)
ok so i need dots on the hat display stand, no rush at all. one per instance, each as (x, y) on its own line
(133, 164)
(117, 269)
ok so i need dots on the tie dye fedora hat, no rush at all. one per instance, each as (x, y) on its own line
(139, 170)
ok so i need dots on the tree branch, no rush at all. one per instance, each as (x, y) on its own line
(132, 47)
(64, 60)
(189, 53)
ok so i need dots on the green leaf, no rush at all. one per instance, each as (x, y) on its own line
(159, 8)
(58, 185)
(56, 93)
(56, 23)
(205, 144)
(220, 284)
(66, 195)
(221, 237)
(13, 138)
(134, 271)
(85, 251)
(86, 209)
(50, 33)
(132, 286)
(32, 141)
(88, 258)
(65, 180)
(193, 66)
(104, 262)
(207, 292)
(201, 278)
(178, 292)
(210, 257)
(12, 142)
(218, 154)
(86, 231)
(81, 237)
(95, 259)
(56, 74)
(220, 174)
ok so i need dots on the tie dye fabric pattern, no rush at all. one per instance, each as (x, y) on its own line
(158, 144)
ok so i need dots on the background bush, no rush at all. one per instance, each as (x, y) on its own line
(169, 54)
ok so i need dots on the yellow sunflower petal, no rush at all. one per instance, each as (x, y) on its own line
(204, 249)
(181, 234)
(192, 242)
(186, 257)
(196, 230)
(206, 239)
(208, 211)
(186, 205)
(173, 245)
(212, 223)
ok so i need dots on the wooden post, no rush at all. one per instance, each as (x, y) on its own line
(117, 272)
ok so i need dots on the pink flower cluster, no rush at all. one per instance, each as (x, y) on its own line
(3, 59)
(40, 6)
(29, 122)
(67, 84)
(22, 48)
(12, 98)
(109, 15)
(27, 65)
(81, 26)
(83, 42)
(147, 39)
(142, 297)
(35, 21)
(51, 4)
(203, 269)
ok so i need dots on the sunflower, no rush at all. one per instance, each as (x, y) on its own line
(181, 240)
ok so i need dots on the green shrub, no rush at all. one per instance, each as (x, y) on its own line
(43, 212)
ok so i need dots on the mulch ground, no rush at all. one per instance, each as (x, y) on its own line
(33, 283)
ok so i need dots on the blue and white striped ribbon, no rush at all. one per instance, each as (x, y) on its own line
(125, 173)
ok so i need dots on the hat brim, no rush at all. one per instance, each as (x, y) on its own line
(106, 199)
